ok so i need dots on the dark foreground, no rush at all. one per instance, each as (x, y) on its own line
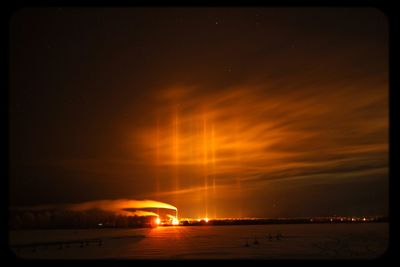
(285, 241)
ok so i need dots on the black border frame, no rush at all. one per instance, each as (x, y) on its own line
(387, 7)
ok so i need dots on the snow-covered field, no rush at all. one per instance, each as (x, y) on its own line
(299, 241)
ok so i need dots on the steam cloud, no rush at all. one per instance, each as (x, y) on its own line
(117, 206)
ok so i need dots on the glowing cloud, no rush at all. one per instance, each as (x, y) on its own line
(120, 206)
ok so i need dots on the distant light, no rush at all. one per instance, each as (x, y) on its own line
(364, 219)
(100, 224)
(206, 219)
(158, 221)
(175, 221)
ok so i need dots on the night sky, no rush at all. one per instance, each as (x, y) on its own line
(221, 112)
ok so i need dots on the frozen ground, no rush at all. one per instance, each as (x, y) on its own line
(299, 241)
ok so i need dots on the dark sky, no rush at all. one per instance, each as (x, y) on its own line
(218, 111)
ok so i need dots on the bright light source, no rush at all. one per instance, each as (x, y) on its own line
(206, 219)
(158, 221)
(175, 221)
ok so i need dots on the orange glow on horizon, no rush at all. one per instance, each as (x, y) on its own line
(214, 147)
(175, 221)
